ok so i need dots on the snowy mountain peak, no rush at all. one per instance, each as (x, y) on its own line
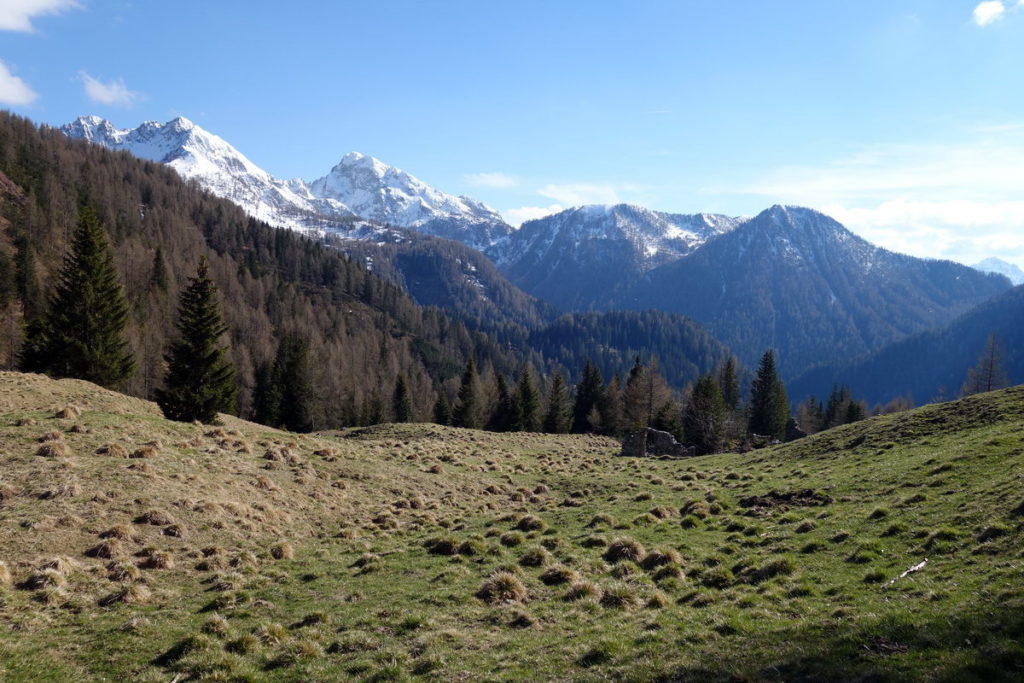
(359, 185)
(1001, 267)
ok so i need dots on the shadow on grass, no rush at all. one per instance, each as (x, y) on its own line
(984, 646)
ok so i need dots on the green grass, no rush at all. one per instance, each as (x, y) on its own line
(391, 566)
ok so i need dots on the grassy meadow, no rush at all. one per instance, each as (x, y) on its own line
(141, 549)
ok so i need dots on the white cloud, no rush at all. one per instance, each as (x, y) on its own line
(496, 180)
(112, 92)
(988, 12)
(519, 216)
(577, 194)
(959, 201)
(16, 15)
(13, 90)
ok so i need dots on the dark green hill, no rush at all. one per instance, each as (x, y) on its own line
(931, 365)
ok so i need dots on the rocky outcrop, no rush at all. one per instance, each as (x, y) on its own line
(647, 443)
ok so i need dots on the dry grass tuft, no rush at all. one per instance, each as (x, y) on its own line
(559, 574)
(114, 450)
(135, 594)
(54, 449)
(122, 532)
(107, 550)
(155, 517)
(44, 578)
(625, 549)
(51, 436)
(158, 559)
(147, 451)
(584, 590)
(123, 572)
(68, 412)
(5, 576)
(282, 551)
(502, 587)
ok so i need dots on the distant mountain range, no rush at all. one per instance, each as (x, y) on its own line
(358, 186)
(580, 258)
(790, 278)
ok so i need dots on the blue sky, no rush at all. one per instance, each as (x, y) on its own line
(904, 119)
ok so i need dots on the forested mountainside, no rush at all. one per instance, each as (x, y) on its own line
(931, 365)
(362, 332)
(795, 280)
(614, 339)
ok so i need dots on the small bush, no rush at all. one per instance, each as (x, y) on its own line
(594, 541)
(442, 546)
(601, 520)
(690, 522)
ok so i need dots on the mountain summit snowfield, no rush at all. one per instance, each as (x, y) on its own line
(358, 186)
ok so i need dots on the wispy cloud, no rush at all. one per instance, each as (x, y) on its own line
(576, 194)
(519, 216)
(13, 90)
(113, 92)
(495, 180)
(959, 201)
(17, 15)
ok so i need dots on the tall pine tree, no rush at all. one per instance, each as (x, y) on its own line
(705, 417)
(200, 380)
(526, 405)
(82, 333)
(468, 410)
(401, 403)
(557, 417)
(589, 394)
(769, 406)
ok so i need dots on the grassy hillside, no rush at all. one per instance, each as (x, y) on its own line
(242, 553)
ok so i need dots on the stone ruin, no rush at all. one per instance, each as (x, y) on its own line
(650, 443)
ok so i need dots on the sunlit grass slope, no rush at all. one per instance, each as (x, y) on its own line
(137, 548)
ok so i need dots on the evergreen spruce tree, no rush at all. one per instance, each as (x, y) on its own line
(200, 380)
(557, 417)
(526, 408)
(729, 384)
(401, 403)
(769, 406)
(589, 395)
(81, 334)
(468, 409)
(705, 416)
(294, 379)
(668, 418)
(442, 409)
(504, 413)
(609, 408)
(266, 396)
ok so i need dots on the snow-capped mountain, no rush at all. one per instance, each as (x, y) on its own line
(998, 265)
(358, 186)
(372, 189)
(571, 257)
(209, 160)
